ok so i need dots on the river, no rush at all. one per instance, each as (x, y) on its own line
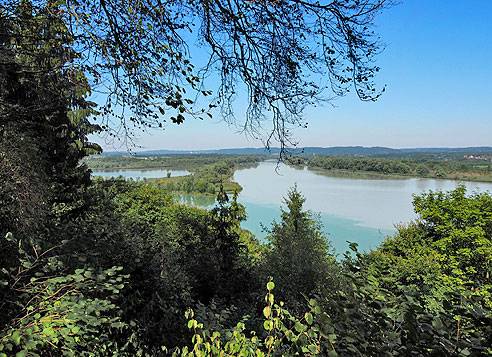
(351, 209)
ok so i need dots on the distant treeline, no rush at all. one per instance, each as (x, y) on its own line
(316, 150)
(430, 166)
(353, 164)
(189, 162)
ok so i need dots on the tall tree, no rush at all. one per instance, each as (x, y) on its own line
(447, 249)
(300, 259)
(44, 119)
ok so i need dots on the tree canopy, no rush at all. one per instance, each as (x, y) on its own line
(136, 56)
(300, 258)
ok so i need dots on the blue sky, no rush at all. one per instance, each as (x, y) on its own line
(438, 76)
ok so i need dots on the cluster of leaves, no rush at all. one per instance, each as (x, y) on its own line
(72, 314)
(370, 321)
(451, 241)
(285, 334)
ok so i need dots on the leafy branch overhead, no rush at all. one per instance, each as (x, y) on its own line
(137, 58)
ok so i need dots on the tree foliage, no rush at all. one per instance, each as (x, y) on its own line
(44, 117)
(286, 53)
(300, 258)
(369, 321)
(447, 249)
(47, 312)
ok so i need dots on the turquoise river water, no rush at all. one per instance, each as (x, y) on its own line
(351, 209)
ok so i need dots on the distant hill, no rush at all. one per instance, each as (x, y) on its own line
(335, 150)
(467, 149)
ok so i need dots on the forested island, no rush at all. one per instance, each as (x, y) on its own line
(208, 172)
(109, 267)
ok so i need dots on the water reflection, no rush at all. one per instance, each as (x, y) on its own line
(140, 174)
(201, 201)
(376, 203)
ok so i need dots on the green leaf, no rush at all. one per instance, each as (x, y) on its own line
(353, 246)
(313, 349)
(300, 327)
(437, 324)
(48, 331)
(16, 337)
(309, 318)
(65, 331)
(270, 285)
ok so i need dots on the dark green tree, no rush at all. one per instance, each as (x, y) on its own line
(44, 119)
(44, 123)
(301, 259)
(226, 217)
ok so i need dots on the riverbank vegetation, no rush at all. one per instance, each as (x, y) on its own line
(208, 173)
(189, 162)
(440, 165)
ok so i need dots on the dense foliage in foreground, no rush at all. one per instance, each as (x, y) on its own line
(108, 267)
(141, 274)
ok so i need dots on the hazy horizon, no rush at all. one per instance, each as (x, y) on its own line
(302, 147)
